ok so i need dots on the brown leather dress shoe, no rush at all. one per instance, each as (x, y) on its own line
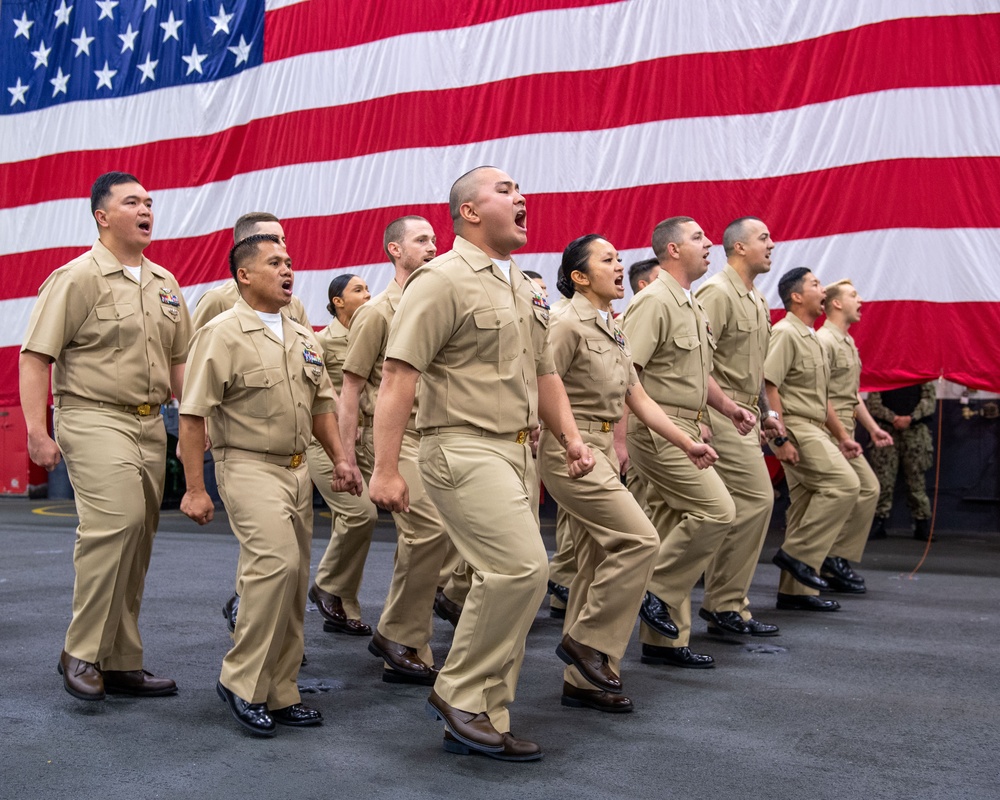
(81, 678)
(335, 619)
(473, 730)
(446, 609)
(575, 697)
(398, 656)
(138, 683)
(513, 749)
(592, 664)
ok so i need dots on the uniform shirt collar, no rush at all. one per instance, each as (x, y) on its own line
(837, 332)
(109, 264)
(479, 261)
(803, 329)
(675, 289)
(736, 280)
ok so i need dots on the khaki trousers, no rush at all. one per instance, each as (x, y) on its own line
(823, 489)
(853, 537)
(692, 512)
(615, 548)
(636, 484)
(343, 563)
(422, 548)
(562, 566)
(742, 469)
(487, 493)
(270, 512)
(116, 464)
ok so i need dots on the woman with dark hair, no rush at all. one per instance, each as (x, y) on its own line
(616, 544)
(338, 576)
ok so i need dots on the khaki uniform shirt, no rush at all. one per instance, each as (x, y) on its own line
(845, 370)
(263, 393)
(113, 340)
(594, 360)
(671, 342)
(741, 325)
(479, 342)
(222, 298)
(796, 364)
(366, 345)
(333, 340)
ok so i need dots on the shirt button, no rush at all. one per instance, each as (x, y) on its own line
(525, 350)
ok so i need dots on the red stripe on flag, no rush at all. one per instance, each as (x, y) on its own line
(853, 62)
(926, 193)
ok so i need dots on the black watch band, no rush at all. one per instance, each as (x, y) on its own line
(779, 440)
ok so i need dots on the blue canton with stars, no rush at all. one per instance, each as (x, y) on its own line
(57, 52)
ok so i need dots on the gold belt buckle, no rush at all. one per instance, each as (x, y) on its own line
(605, 427)
(296, 461)
(143, 410)
(522, 437)
(698, 418)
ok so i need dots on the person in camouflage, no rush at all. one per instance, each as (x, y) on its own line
(905, 413)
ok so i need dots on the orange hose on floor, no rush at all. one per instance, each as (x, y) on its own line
(937, 476)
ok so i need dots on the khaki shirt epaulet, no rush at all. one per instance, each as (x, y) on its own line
(594, 360)
(796, 364)
(112, 339)
(262, 392)
(224, 297)
(671, 342)
(845, 369)
(741, 326)
(479, 341)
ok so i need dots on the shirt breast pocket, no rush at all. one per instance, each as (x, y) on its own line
(687, 355)
(601, 358)
(496, 335)
(261, 391)
(117, 325)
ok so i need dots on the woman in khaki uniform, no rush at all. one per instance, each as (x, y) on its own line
(615, 543)
(338, 576)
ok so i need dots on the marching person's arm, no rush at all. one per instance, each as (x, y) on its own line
(880, 438)
(196, 503)
(742, 419)
(781, 446)
(396, 395)
(652, 416)
(346, 477)
(33, 372)
(347, 414)
(556, 413)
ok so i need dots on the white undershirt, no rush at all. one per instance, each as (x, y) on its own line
(273, 321)
(604, 315)
(134, 272)
(687, 293)
(504, 267)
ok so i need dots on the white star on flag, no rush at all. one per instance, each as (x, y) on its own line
(149, 4)
(221, 21)
(128, 38)
(62, 14)
(194, 61)
(59, 82)
(82, 42)
(241, 51)
(107, 8)
(41, 55)
(170, 27)
(105, 75)
(17, 92)
(24, 26)
(148, 69)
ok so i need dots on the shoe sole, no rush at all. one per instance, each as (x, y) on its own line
(394, 676)
(431, 710)
(310, 724)
(819, 584)
(668, 663)
(672, 635)
(377, 652)
(788, 607)
(334, 627)
(133, 693)
(446, 617)
(465, 750)
(572, 702)
(79, 695)
(568, 659)
(255, 731)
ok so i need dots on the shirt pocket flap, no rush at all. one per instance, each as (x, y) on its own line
(263, 378)
(493, 319)
(746, 325)
(598, 345)
(688, 342)
(114, 311)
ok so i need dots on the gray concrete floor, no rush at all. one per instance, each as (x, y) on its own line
(893, 697)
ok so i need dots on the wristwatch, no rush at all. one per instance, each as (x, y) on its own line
(778, 441)
(772, 414)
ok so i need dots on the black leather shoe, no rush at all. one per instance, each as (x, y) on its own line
(656, 615)
(252, 716)
(805, 602)
(758, 628)
(841, 567)
(878, 529)
(229, 609)
(138, 683)
(799, 570)
(558, 591)
(392, 676)
(720, 622)
(675, 657)
(844, 586)
(298, 716)
(592, 664)
(335, 619)
(397, 656)
(473, 730)
(922, 530)
(446, 609)
(82, 679)
(513, 749)
(575, 697)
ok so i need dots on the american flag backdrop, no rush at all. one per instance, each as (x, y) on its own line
(866, 134)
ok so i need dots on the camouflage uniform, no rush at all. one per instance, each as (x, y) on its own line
(912, 446)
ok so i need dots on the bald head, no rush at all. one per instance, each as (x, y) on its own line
(464, 190)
